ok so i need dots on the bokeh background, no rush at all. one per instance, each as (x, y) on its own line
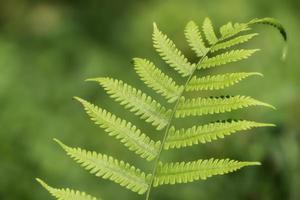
(48, 49)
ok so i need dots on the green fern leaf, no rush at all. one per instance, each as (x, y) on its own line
(161, 117)
(229, 30)
(217, 82)
(209, 32)
(232, 42)
(136, 101)
(194, 39)
(203, 106)
(182, 172)
(168, 51)
(208, 132)
(127, 133)
(224, 58)
(66, 194)
(109, 168)
(157, 80)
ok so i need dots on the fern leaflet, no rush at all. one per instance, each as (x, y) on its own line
(235, 41)
(229, 30)
(194, 39)
(168, 51)
(136, 101)
(217, 82)
(208, 132)
(157, 80)
(182, 172)
(127, 133)
(203, 106)
(209, 32)
(227, 57)
(109, 168)
(66, 194)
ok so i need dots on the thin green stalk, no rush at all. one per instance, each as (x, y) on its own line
(164, 138)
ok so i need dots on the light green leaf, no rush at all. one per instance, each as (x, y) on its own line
(208, 132)
(169, 53)
(107, 167)
(185, 172)
(209, 32)
(229, 30)
(136, 101)
(66, 194)
(224, 58)
(194, 39)
(232, 42)
(217, 82)
(157, 80)
(122, 130)
(204, 106)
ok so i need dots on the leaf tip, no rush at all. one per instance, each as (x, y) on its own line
(259, 74)
(136, 59)
(206, 19)
(155, 26)
(268, 105)
(92, 79)
(39, 180)
(255, 163)
(42, 183)
(271, 106)
(82, 101)
(60, 143)
(190, 23)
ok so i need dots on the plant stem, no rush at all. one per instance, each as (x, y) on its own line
(165, 137)
(168, 128)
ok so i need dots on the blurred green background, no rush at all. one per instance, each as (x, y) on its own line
(48, 49)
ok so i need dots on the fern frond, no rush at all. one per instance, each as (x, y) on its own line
(194, 39)
(66, 194)
(107, 167)
(206, 43)
(203, 106)
(136, 101)
(219, 81)
(208, 132)
(168, 51)
(229, 30)
(157, 80)
(182, 172)
(224, 58)
(209, 32)
(232, 42)
(124, 131)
